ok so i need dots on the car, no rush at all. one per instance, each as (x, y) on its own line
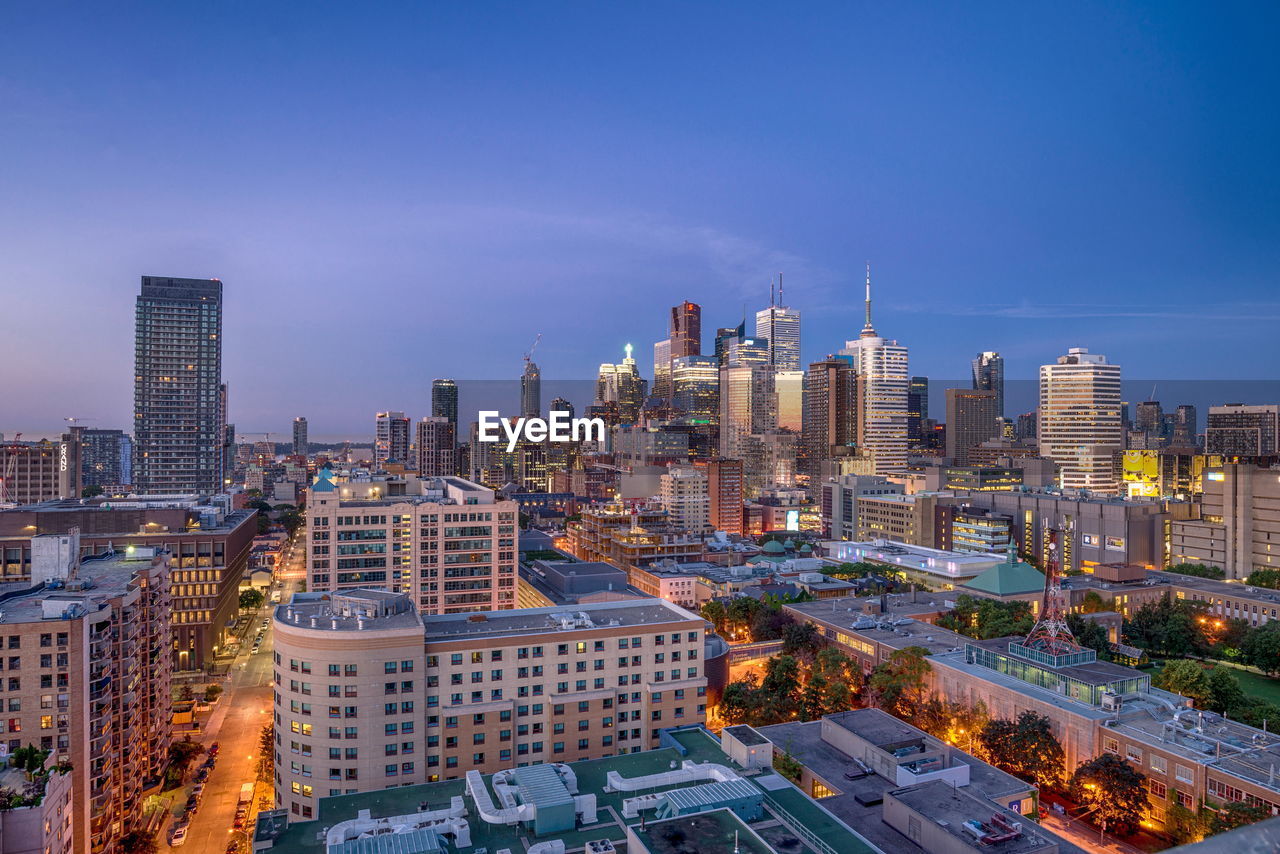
(238, 823)
(266, 623)
(178, 836)
(213, 749)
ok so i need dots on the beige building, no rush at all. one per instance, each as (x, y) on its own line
(1239, 525)
(87, 672)
(1079, 427)
(683, 491)
(364, 704)
(629, 538)
(910, 519)
(448, 543)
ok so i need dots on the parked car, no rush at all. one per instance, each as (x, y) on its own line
(178, 836)
(213, 749)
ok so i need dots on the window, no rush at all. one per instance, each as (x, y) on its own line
(1110, 745)
(1183, 774)
(1158, 764)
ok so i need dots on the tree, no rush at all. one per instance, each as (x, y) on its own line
(1168, 627)
(1091, 634)
(1093, 603)
(897, 685)
(1025, 747)
(1224, 691)
(182, 752)
(1269, 578)
(1261, 647)
(1186, 678)
(1112, 790)
(138, 842)
(788, 766)
(251, 599)
(30, 759)
(780, 689)
(212, 692)
(91, 491)
(1182, 824)
(1199, 570)
(740, 612)
(1236, 814)
(738, 701)
(802, 638)
(713, 611)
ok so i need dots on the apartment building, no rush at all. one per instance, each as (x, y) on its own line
(409, 699)
(630, 537)
(910, 519)
(683, 490)
(447, 542)
(87, 675)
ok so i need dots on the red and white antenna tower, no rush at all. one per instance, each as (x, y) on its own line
(1050, 634)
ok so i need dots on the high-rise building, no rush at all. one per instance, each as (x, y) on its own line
(830, 426)
(748, 406)
(301, 447)
(41, 471)
(917, 408)
(1149, 421)
(780, 326)
(1239, 430)
(686, 330)
(453, 541)
(1186, 427)
(662, 369)
(178, 403)
(883, 378)
(988, 374)
(971, 420)
(788, 386)
(726, 485)
(562, 405)
(1079, 419)
(531, 390)
(444, 401)
(726, 333)
(391, 438)
(1025, 427)
(695, 387)
(437, 448)
(622, 386)
(1239, 517)
(683, 491)
(105, 457)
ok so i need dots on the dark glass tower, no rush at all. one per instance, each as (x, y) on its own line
(178, 416)
(444, 401)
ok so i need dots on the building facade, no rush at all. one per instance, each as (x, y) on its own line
(988, 375)
(391, 438)
(1079, 419)
(436, 448)
(31, 472)
(971, 420)
(883, 378)
(1237, 430)
(1239, 521)
(301, 447)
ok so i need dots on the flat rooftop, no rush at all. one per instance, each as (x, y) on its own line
(102, 577)
(950, 808)
(1093, 673)
(629, 612)
(695, 744)
(717, 830)
(331, 614)
(946, 564)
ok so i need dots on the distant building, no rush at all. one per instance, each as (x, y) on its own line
(883, 378)
(684, 492)
(1237, 430)
(437, 448)
(830, 423)
(559, 404)
(780, 327)
(531, 390)
(917, 408)
(662, 369)
(1239, 516)
(695, 388)
(726, 483)
(179, 401)
(444, 401)
(988, 375)
(105, 458)
(840, 502)
(686, 330)
(971, 420)
(43, 470)
(1079, 425)
(391, 438)
(301, 447)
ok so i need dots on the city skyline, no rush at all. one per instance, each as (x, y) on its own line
(1065, 209)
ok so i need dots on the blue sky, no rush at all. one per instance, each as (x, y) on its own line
(394, 192)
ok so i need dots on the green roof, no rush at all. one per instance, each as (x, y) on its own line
(774, 547)
(1007, 579)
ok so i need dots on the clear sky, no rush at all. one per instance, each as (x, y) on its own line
(395, 192)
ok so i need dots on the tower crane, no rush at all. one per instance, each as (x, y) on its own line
(10, 466)
(528, 357)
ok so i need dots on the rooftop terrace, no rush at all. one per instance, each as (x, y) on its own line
(537, 620)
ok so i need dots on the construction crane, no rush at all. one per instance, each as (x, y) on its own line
(528, 357)
(73, 420)
(10, 466)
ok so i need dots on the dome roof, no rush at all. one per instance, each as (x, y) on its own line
(773, 547)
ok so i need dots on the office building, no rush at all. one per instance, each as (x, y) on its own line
(179, 403)
(724, 335)
(1238, 524)
(988, 375)
(88, 668)
(447, 542)
(531, 390)
(559, 404)
(391, 438)
(788, 387)
(726, 489)
(1025, 426)
(840, 502)
(684, 492)
(1079, 419)
(917, 408)
(301, 447)
(621, 388)
(830, 420)
(662, 369)
(444, 401)
(695, 388)
(748, 405)
(1238, 430)
(971, 420)
(437, 448)
(883, 378)
(105, 458)
(780, 327)
(686, 330)
(1186, 428)
(41, 471)
(1172, 473)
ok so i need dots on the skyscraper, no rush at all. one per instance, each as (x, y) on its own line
(830, 426)
(695, 388)
(686, 330)
(971, 420)
(724, 335)
(300, 445)
(883, 377)
(178, 412)
(105, 457)
(391, 438)
(917, 408)
(622, 386)
(444, 401)
(725, 490)
(1235, 429)
(1185, 427)
(988, 374)
(662, 369)
(531, 390)
(437, 448)
(780, 326)
(1079, 419)
(561, 405)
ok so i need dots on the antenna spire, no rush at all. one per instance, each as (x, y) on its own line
(868, 331)
(772, 302)
(780, 300)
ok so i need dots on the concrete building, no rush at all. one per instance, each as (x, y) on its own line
(830, 420)
(1239, 521)
(971, 420)
(88, 670)
(684, 492)
(436, 448)
(1238, 430)
(568, 582)
(414, 699)
(1079, 419)
(726, 488)
(883, 379)
(988, 375)
(910, 519)
(391, 438)
(840, 502)
(209, 546)
(448, 542)
(630, 537)
(301, 447)
(178, 396)
(31, 472)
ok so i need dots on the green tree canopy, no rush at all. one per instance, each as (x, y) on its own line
(1187, 678)
(1199, 570)
(1269, 578)
(1025, 747)
(1113, 791)
(898, 685)
(1261, 647)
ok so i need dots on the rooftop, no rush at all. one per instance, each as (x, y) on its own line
(919, 558)
(362, 609)
(97, 579)
(630, 612)
(952, 808)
